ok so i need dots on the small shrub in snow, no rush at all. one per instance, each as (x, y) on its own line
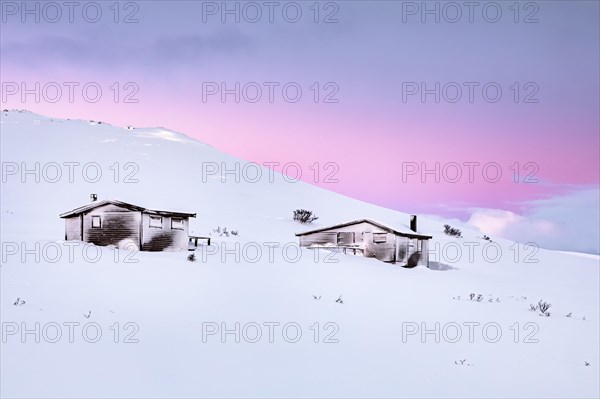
(587, 364)
(478, 298)
(304, 216)
(533, 308)
(339, 300)
(87, 316)
(541, 307)
(487, 238)
(316, 298)
(452, 231)
(225, 232)
(19, 302)
(462, 363)
(191, 257)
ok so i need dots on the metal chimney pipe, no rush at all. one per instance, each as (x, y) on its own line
(413, 223)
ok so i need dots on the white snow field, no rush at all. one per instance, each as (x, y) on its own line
(395, 332)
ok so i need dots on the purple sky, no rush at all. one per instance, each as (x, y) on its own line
(371, 57)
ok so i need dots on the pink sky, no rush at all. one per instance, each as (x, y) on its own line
(370, 132)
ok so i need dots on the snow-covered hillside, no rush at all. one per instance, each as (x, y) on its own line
(297, 338)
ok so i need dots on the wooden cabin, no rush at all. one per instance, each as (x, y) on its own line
(365, 237)
(111, 222)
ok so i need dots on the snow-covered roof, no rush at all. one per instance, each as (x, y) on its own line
(96, 204)
(395, 230)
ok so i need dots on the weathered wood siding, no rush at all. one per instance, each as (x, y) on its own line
(73, 228)
(164, 238)
(324, 237)
(361, 228)
(119, 227)
(384, 251)
(331, 235)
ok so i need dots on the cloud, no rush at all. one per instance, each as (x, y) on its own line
(570, 222)
(46, 51)
(193, 47)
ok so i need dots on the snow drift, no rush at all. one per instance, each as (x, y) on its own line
(255, 315)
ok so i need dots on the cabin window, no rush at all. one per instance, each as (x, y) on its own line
(156, 222)
(96, 222)
(379, 238)
(345, 238)
(177, 224)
